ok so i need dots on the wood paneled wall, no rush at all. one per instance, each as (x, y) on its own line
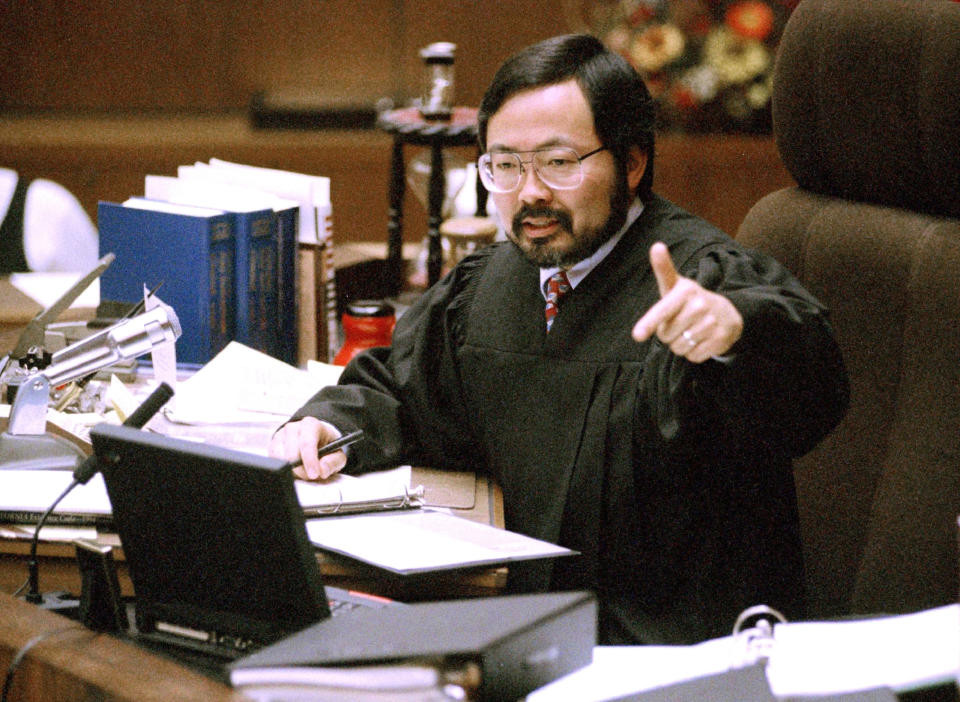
(212, 55)
(98, 94)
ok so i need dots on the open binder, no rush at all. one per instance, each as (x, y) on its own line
(873, 659)
(347, 494)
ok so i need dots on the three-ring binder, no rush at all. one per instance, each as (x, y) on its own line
(753, 635)
(410, 499)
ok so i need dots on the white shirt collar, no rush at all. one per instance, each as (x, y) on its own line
(580, 269)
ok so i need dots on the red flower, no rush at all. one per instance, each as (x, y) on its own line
(639, 16)
(683, 98)
(750, 19)
(700, 25)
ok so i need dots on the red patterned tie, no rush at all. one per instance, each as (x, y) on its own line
(557, 287)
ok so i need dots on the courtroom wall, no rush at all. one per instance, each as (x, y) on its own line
(212, 55)
(83, 85)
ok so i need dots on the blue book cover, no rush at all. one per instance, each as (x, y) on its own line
(257, 249)
(191, 251)
(256, 235)
(288, 227)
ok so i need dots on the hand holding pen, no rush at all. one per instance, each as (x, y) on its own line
(334, 445)
(314, 448)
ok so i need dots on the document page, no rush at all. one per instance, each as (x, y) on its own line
(902, 652)
(424, 540)
(30, 492)
(47, 288)
(243, 385)
(618, 671)
(33, 491)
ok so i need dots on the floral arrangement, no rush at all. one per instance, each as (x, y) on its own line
(708, 63)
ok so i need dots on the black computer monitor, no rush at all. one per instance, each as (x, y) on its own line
(214, 540)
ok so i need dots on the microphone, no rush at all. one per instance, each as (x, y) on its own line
(82, 475)
(158, 398)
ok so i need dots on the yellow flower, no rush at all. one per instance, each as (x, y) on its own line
(736, 60)
(758, 94)
(618, 39)
(656, 46)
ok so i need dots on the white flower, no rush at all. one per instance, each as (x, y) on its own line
(656, 46)
(703, 82)
(758, 95)
(736, 60)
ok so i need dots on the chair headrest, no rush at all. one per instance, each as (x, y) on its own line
(866, 101)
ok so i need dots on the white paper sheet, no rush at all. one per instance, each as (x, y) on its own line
(417, 541)
(47, 288)
(242, 385)
(901, 652)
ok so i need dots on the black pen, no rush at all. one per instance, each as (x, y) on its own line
(334, 445)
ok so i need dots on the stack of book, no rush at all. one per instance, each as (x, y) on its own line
(242, 253)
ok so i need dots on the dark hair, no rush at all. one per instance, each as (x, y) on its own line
(623, 111)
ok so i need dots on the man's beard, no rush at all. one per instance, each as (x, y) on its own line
(583, 245)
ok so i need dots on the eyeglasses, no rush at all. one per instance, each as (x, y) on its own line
(558, 167)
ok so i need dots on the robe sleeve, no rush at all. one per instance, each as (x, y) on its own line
(785, 382)
(407, 398)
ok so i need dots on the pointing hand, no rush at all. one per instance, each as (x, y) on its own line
(693, 321)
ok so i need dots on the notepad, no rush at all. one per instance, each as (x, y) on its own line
(341, 493)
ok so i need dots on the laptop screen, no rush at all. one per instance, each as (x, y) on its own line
(214, 539)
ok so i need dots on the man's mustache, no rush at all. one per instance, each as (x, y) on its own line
(566, 222)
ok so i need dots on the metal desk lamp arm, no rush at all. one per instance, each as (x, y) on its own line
(125, 340)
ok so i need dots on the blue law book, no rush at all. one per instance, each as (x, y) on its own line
(256, 279)
(205, 178)
(317, 320)
(288, 221)
(190, 251)
(256, 252)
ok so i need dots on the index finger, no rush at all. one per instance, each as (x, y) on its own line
(664, 310)
(663, 268)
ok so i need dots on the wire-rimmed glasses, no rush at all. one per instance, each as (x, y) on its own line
(557, 167)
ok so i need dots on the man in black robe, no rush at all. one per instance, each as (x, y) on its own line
(651, 428)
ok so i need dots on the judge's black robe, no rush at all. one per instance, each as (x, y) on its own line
(672, 479)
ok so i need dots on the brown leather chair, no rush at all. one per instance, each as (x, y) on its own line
(866, 110)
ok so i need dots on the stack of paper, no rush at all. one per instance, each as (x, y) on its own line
(269, 392)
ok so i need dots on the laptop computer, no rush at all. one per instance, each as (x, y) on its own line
(215, 543)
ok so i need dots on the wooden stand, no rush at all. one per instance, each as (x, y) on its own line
(408, 127)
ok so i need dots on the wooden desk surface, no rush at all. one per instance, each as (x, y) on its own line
(74, 663)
